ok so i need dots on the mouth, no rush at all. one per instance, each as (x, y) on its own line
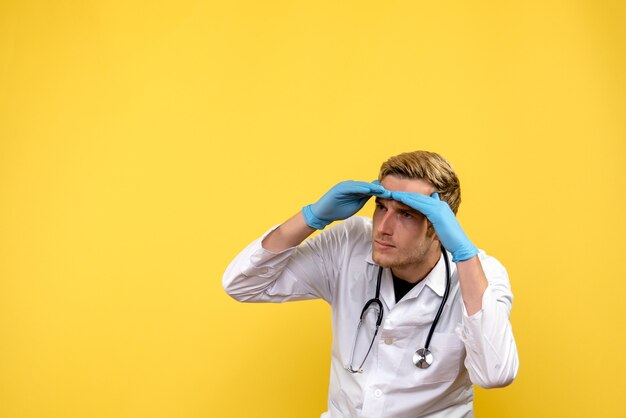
(382, 245)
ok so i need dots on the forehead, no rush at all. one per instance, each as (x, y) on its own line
(397, 184)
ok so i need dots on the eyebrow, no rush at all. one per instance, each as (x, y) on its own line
(404, 208)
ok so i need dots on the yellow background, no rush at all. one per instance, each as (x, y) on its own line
(144, 143)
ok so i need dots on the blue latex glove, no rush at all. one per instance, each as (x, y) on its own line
(342, 201)
(445, 223)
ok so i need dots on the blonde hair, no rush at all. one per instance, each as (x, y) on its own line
(427, 166)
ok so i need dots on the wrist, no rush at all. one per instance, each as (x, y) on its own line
(312, 220)
(464, 253)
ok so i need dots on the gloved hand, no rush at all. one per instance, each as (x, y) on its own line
(445, 223)
(342, 201)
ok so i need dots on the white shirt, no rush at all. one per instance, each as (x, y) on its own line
(336, 265)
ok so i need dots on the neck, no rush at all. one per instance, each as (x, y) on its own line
(415, 273)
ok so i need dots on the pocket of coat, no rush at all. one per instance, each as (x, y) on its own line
(448, 356)
(334, 411)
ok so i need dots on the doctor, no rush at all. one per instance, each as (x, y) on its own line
(411, 331)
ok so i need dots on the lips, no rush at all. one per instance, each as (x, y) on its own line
(383, 245)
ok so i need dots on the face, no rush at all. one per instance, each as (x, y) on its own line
(400, 236)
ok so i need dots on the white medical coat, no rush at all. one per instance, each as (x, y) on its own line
(336, 265)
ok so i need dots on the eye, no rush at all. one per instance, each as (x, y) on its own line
(379, 206)
(406, 215)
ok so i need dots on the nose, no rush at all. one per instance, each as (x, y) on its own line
(385, 223)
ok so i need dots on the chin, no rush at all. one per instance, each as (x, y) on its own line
(382, 261)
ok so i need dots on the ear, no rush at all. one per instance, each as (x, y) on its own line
(430, 232)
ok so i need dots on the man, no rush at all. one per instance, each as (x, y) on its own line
(432, 340)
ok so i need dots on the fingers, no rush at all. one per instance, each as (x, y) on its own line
(412, 199)
(421, 203)
(379, 191)
(367, 189)
(417, 201)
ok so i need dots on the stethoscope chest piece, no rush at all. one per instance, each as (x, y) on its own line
(423, 358)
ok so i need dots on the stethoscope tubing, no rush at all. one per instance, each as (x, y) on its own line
(446, 293)
(422, 358)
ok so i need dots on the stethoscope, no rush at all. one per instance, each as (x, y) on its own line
(423, 357)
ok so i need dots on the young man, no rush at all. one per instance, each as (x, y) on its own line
(411, 331)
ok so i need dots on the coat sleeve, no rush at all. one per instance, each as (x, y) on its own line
(492, 359)
(298, 273)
